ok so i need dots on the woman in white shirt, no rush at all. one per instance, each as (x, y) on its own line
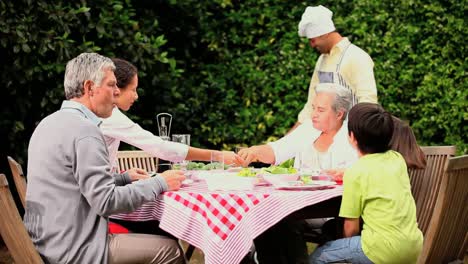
(320, 143)
(119, 127)
(324, 134)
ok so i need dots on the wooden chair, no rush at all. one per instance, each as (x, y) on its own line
(136, 159)
(425, 183)
(446, 238)
(12, 229)
(19, 178)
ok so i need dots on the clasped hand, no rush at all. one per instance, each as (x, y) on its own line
(173, 178)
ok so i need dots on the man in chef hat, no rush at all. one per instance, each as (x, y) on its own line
(340, 61)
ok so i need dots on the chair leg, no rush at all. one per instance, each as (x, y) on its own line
(189, 252)
(251, 257)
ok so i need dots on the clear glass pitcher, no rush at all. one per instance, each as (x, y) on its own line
(164, 125)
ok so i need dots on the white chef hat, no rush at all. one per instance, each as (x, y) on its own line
(316, 21)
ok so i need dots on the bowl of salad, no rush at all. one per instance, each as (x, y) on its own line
(276, 175)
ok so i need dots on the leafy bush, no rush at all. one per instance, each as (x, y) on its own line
(251, 78)
(234, 72)
(37, 38)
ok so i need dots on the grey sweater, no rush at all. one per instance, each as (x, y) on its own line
(71, 191)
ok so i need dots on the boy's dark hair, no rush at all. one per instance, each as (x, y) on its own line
(371, 126)
(124, 72)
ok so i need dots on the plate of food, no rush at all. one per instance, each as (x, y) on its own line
(300, 186)
(305, 183)
(277, 174)
(253, 174)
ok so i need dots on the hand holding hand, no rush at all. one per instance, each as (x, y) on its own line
(137, 174)
(231, 158)
(173, 179)
(248, 155)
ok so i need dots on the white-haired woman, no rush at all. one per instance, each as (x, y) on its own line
(325, 134)
(321, 139)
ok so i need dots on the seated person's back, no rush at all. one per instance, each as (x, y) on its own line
(376, 189)
(380, 182)
(71, 191)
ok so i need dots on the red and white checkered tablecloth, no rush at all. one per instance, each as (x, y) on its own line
(223, 224)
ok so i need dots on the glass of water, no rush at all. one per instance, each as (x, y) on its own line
(305, 163)
(183, 139)
(217, 160)
(324, 160)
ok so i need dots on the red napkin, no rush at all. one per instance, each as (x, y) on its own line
(117, 229)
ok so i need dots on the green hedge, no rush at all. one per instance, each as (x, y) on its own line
(255, 70)
(234, 72)
(37, 38)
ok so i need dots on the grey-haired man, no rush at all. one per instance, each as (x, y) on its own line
(70, 188)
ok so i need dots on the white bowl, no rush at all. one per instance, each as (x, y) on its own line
(278, 179)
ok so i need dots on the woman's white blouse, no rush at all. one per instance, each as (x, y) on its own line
(118, 127)
(302, 138)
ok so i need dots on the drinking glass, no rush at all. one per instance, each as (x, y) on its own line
(184, 139)
(217, 160)
(305, 163)
(324, 160)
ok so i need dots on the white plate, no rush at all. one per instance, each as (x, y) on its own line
(297, 185)
(277, 179)
(305, 187)
(323, 183)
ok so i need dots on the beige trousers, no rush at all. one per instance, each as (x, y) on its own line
(144, 248)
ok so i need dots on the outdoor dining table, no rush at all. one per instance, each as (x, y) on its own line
(223, 224)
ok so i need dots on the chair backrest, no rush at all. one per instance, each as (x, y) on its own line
(425, 183)
(12, 229)
(19, 178)
(447, 236)
(136, 159)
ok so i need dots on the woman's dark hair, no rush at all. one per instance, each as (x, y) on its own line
(124, 72)
(404, 141)
(371, 126)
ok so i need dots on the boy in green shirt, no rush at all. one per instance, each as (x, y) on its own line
(376, 189)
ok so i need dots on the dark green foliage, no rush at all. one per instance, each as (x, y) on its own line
(255, 70)
(37, 38)
(234, 72)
